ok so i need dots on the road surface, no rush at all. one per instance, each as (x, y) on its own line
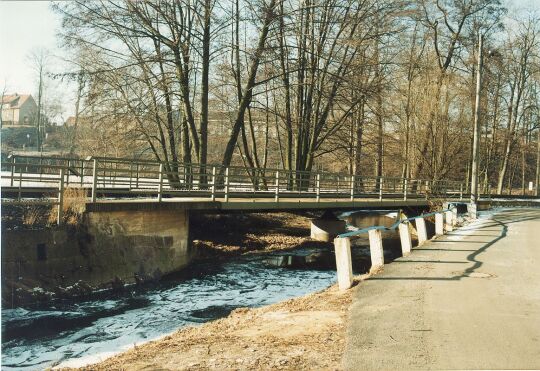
(467, 300)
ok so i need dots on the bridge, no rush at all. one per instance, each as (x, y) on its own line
(128, 184)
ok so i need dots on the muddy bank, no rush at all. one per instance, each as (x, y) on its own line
(301, 333)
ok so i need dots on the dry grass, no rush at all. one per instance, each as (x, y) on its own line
(32, 215)
(73, 208)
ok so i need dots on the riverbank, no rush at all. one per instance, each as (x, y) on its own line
(302, 333)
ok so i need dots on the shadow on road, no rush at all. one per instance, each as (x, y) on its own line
(501, 221)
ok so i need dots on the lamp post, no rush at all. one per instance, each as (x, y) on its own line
(476, 133)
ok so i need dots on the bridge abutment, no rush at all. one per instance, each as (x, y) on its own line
(327, 227)
(106, 249)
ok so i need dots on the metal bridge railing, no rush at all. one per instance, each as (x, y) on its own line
(34, 179)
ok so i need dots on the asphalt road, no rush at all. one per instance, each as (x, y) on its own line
(467, 300)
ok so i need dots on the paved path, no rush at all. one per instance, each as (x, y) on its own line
(467, 300)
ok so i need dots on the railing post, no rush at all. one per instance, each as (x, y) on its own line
(426, 190)
(137, 176)
(67, 174)
(449, 221)
(213, 183)
(460, 191)
(318, 187)
(20, 183)
(439, 224)
(276, 198)
(82, 173)
(60, 215)
(226, 184)
(160, 186)
(405, 237)
(352, 187)
(94, 180)
(12, 169)
(380, 188)
(406, 183)
(130, 174)
(376, 248)
(342, 247)
(421, 230)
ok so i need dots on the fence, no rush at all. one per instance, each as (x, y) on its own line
(34, 179)
(342, 243)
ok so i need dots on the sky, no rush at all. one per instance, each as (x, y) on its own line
(28, 25)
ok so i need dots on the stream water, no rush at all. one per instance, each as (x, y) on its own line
(41, 337)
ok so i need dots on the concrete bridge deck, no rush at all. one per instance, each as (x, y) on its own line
(467, 300)
(258, 204)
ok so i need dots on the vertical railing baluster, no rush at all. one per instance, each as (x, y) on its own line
(12, 170)
(276, 197)
(137, 176)
(82, 173)
(94, 180)
(352, 188)
(380, 188)
(20, 182)
(227, 184)
(405, 181)
(160, 186)
(60, 215)
(318, 187)
(213, 196)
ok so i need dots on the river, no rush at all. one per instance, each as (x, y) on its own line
(36, 338)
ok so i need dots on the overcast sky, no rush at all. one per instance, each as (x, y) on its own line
(28, 25)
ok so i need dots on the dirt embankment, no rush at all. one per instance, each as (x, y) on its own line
(306, 333)
(232, 234)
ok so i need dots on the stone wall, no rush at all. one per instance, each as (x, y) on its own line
(106, 250)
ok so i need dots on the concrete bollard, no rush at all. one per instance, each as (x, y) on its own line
(342, 247)
(376, 248)
(405, 237)
(439, 224)
(421, 230)
(454, 215)
(449, 221)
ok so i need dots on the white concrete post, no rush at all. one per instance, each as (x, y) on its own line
(94, 181)
(318, 186)
(342, 247)
(213, 183)
(226, 184)
(376, 248)
(454, 215)
(439, 224)
(421, 230)
(60, 214)
(276, 197)
(449, 221)
(160, 186)
(352, 187)
(405, 237)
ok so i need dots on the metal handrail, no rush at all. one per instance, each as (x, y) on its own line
(393, 227)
